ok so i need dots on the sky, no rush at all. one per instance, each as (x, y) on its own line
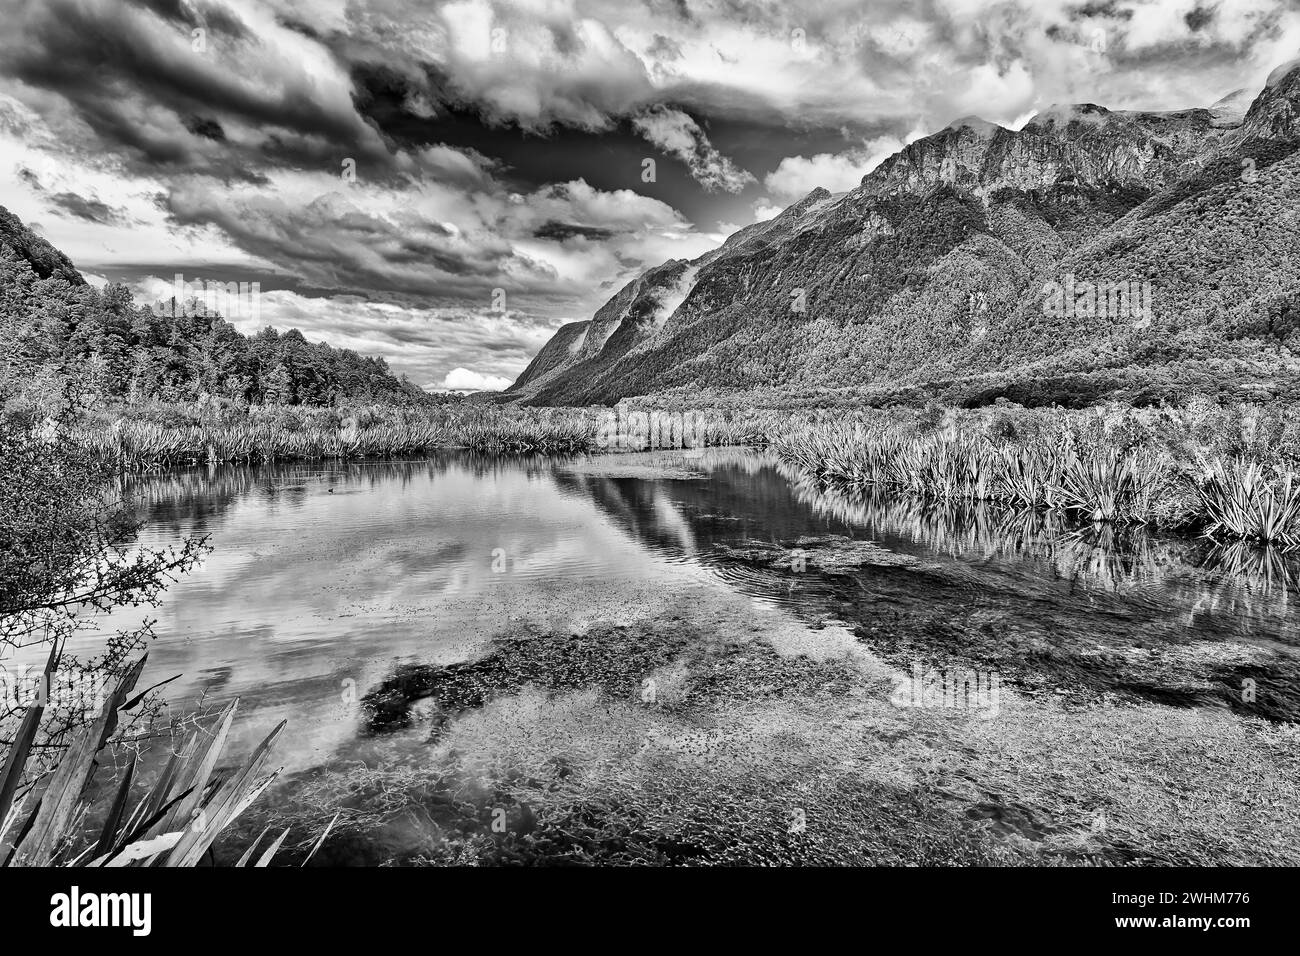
(445, 184)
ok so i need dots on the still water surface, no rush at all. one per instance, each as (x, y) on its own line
(324, 577)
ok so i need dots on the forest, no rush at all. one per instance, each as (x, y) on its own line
(61, 334)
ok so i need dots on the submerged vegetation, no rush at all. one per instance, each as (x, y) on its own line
(553, 747)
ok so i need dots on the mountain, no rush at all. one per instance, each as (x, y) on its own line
(57, 330)
(1092, 253)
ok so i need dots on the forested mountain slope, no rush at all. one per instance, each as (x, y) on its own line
(1175, 234)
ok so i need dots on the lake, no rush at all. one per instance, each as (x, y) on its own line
(479, 658)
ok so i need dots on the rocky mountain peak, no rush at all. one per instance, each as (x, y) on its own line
(976, 125)
(1064, 115)
(1275, 114)
(930, 269)
(1081, 144)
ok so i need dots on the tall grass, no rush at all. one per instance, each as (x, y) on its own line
(297, 434)
(1242, 501)
(154, 437)
(1237, 499)
(948, 466)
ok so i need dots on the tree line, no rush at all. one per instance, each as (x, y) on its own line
(102, 341)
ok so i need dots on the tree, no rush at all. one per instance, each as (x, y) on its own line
(67, 548)
(101, 341)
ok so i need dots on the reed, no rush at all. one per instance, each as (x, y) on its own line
(149, 439)
(294, 434)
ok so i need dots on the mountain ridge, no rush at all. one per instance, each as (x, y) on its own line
(929, 273)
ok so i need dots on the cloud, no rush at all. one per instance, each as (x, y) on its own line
(450, 232)
(159, 92)
(425, 343)
(434, 242)
(681, 137)
(36, 163)
(275, 79)
(462, 379)
(134, 144)
(88, 209)
(796, 176)
(71, 204)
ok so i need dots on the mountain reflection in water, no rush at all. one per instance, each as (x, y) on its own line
(325, 576)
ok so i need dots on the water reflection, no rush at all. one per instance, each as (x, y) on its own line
(332, 581)
(1244, 589)
(325, 576)
(391, 531)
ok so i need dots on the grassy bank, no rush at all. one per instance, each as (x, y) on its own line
(1229, 472)
(1224, 469)
(145, 437)
(141, 438)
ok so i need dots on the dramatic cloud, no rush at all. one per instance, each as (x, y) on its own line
(678, 135)
(191, 83)
(158, 81)
(441, 158)
(432, 242)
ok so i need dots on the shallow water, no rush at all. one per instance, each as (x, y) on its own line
(326, 572)
(326, 577)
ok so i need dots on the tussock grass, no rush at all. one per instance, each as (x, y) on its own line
(1235, 499)
(301, 433)
(1242, 501)
(1106, 484)
(151, 438)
